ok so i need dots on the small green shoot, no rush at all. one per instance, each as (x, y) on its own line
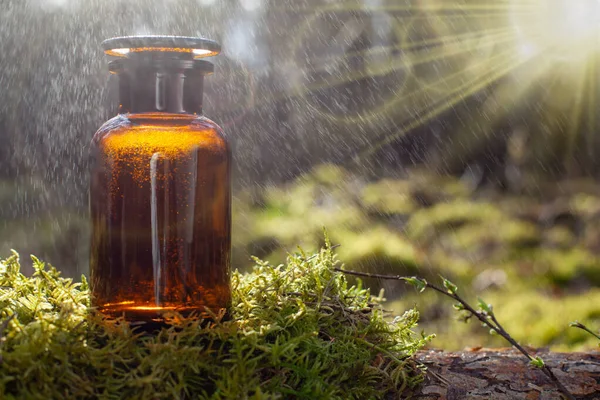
(537, 362)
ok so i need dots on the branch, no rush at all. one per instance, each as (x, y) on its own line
(486, 316)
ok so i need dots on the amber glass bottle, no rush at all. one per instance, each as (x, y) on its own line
(160, 194)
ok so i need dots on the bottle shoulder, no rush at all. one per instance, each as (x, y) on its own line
(116, 123)
(161, 129)
(201, 122)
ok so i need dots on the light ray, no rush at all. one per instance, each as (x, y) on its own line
(437, 53)
(400, 63)
(458, 95)
(421, 90)
(429, 42)
(503, 101)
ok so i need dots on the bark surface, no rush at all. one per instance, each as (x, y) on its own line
(505, 374)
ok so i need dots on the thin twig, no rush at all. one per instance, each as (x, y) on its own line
(585, 328)
(489, 319)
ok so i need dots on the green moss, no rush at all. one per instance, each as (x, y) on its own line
(562, 267)
(297, 330)
(508, 233)
(328, 174)
(377, 249)
(296, 213)
(388, 197)
(444, 187)
(469, 248)
(560, 237)
(585, 205)
(425, 224)
(304, 228)
(540, 320)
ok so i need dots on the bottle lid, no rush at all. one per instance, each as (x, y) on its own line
(195, 46)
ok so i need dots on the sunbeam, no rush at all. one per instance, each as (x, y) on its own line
(434, 54)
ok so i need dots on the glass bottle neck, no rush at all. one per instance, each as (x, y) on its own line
(170, 91)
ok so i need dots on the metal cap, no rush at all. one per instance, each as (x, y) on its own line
(195, 46)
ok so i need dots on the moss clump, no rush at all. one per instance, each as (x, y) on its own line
(426, 224)
(543, 320)
(561, 267)
(296, 331)
(389, 197)
(378, 249)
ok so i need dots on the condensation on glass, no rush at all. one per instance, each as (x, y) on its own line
(160, 194)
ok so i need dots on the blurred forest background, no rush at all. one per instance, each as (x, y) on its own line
(429, 137)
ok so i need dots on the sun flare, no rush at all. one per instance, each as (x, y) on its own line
(424, 57)
(566, 28)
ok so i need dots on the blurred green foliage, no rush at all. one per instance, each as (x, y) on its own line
(530, 254)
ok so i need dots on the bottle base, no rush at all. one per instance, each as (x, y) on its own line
(153, 319)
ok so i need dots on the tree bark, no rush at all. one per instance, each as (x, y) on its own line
(500, 374)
